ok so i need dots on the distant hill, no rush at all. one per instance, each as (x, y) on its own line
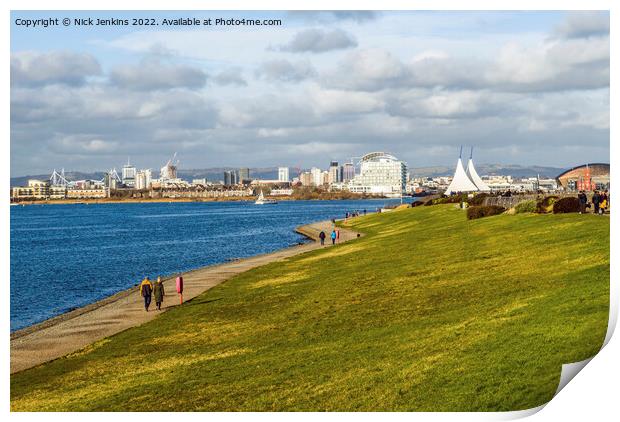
(216, 174)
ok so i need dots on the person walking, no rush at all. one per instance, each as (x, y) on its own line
(334, 237)
(583, 200)
(603, 204)
(146, 289)
(158, 292)
(322, 237)
(596, 200)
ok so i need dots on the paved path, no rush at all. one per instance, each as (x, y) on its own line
(70, 332)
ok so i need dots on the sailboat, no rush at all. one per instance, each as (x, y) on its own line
(261, 200)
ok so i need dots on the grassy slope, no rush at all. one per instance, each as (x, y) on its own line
(427, 312)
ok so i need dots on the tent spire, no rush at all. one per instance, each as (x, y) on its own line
(471, 152)
(461, 152)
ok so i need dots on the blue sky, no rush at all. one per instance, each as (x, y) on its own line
(523, 87)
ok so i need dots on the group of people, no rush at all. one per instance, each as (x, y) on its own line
(354, 214)
(335, 235)
(600, 201)
(148, 289)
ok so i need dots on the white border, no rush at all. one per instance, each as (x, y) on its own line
(591, 396)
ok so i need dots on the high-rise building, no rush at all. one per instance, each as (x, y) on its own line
(283, 174)
(306, 178)
(348, 172)
(244, 175)
(317, 176)
(381, 174)
(129, 175)
(144, 179)
(334, 170)
(227, 178)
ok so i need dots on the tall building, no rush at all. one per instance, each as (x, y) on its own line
(230, 178)
(306, 178)
(283, 174)
(129, 175)
(244, 174)
(169, 171)
(144, 178)
(334, 173)
(380, 174)
(348, 172)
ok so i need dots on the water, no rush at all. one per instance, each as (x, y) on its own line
(67, 256)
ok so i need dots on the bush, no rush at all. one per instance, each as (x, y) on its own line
(417, 203)
(479, 199)
(481, 211)
(566, 205)
(545, 205)
(452, 199)
(525, 206)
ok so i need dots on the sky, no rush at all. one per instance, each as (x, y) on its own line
(529, 88)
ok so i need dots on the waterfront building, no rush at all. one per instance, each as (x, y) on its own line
(334, 173)
(585, 177)
(202, 182)
(461, 181)
(128, 175)
(281, 192)
(169, 170)
(473, 174)
(348, 172)
(325, 178)
(89, 193)
(244, 175)
(38, 190)
(317, 176)
(283, 175)
(306, 178)
(144, 179)
(380, 174)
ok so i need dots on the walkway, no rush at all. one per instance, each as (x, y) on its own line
(72, 331)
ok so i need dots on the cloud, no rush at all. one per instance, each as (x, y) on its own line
(230, 76)
(584, 24)
(55, 67)
(153, 74)
(283, 70)
(358, 16)
(319, 41)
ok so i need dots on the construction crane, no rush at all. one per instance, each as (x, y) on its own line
(58, 179)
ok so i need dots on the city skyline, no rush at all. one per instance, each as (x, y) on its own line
(525, 87)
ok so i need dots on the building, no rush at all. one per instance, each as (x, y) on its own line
(128, 175)
(317, 176)
(586, 177)
(461, 181)
(334, 173)
(281, 192)
(90, 193)
(473, 175)
(38, 190)
(169, 171)
(283, 174)
(348, 172)
(144, 179)
(306, 178)
(244, 175)
(380, 174)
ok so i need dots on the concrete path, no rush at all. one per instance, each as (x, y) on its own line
(72, 331)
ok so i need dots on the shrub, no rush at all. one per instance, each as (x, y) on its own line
(479, 199)
(545, 205)
(481, 211)
(566, 205)
(525, 206)
(417, 203)
(452, 199)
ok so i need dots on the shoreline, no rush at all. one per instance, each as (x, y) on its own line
(71, 331)
(183, 200)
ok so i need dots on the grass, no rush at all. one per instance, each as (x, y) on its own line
(427, 312)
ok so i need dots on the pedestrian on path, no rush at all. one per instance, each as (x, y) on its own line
(334, 237)
(596, 201)
(158, 292)
(583, 200)
(146, 289)
(322, 237)
(603, 204)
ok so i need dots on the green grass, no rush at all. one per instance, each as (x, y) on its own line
(427, 312)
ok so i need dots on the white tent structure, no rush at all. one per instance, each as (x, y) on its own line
(461, 181)
(473, 175)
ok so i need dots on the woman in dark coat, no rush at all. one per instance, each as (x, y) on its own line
(158, 292)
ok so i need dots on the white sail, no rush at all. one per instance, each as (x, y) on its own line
(473, 175)
(461, 181)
